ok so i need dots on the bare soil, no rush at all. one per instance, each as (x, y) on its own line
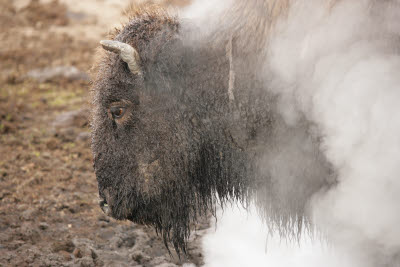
(49, 214)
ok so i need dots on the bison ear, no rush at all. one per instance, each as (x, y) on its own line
(127, 53)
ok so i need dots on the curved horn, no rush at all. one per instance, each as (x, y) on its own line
(126, 52)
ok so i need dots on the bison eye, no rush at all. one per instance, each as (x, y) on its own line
(117, 112)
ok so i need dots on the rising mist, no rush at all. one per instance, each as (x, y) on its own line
(333, 66)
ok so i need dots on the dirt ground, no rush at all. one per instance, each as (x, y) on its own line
(49, 215)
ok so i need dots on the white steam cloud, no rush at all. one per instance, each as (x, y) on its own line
(337, 63)
(239, 240)
(340, 67)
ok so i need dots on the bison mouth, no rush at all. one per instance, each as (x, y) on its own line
(130, 207)
(104, 206)
(171, 220)
(105, 202)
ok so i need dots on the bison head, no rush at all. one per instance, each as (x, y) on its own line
(176, 123)
(159, 140)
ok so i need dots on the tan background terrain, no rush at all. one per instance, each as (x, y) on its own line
(49, 214)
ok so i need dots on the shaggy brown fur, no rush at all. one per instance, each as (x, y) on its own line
(197, 125)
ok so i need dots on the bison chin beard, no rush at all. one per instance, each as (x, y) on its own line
(171, 213)
(212, 174)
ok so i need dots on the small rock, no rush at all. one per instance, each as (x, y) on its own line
(46, 155)
(84, 136)
(52, 144)
(7, 127)
(70, 73)
(20, 4)
(28, 214)
(166, 264)
(4, 194)
(65, 255)
(22, 207)
(71, 209)
(93, 254)
(77, 118)
(116, 242)
(63, 245)
(77, 253)
(105, 234)
(14, 226)
(160, 261)
(140, 257)
(43, 226)
(103, 224)
(67, 135)
(129, 241)
(76, 15)
(103, 218)
(29, 233)
(86, 262)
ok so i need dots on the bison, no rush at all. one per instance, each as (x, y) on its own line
(183, 121)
